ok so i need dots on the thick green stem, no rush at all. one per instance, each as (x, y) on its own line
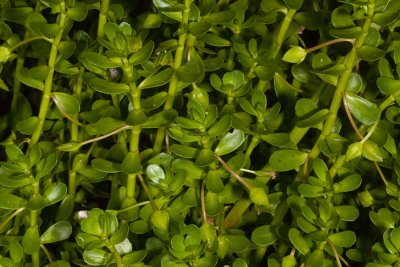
(102, 17)
(44, 105)
(282, 31)
(351, 61)
(173, 85)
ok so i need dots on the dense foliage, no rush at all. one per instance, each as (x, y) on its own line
(199, 133)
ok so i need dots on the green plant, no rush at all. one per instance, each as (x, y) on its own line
(199, 133)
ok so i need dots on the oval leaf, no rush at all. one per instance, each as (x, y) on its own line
(285, 160)
(230, 142)
(57, 232)
(364, 110)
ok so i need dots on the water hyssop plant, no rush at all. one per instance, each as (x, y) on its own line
(199, 133)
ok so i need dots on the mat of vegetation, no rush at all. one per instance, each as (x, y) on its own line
(199, 133)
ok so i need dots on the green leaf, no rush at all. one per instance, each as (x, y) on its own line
(353, 32)
(343, 239)
(354, 83)
(371, 151)
(28, 126)
(142, 55)
(157, 79)
(68, 103)
(205, 157)
(154, 101)
(131, 163)
(354, 151)
(235, 78)
(349, 183)
(214, 40)
(214, 182)
(17, 14)
(109, 223)
(11, 202)
(236, 243)
(95, 257)
(120, 235)
(155, 173)
(220, 127)
(183, 151)
(264, 235)
(276, 139)
(168, 5)
(295, 54)
(25, 76)
(298, 241)
(91, 226)
(383, 218)
(309, 190)
(161, 119)
(104, 126)
(314, 119)
(135, 257)
(57, 232)
(67, 48)
(364, 110)
(347, 213)
(219, 17)
(106, 166)
(293, 4)
(285, 160)
(99, 60)
(341, 17)
(258, 196)
(78, 12)
(30, 240)
(160, 219)
(5, 32)
(212, 204)
(387, 85)
(69, 147)
(108, 87)
(370, 53)
(16, 251)
(230, 142)
(198, 28)
(54, 193)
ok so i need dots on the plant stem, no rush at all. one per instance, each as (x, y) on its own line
(44, 105)
(350, 117)
(234, 174)
(120, 129)
(31, 39)
(203, 203)
(48, 255)
(282, 32)
(133, 206)
(9, 218)
(148, 193)
(351, 61)
(173, 85)
(328, 43)
(102, 17)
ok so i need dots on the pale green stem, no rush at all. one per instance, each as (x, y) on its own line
(351, 60)
(282, 31)
(102, 17)
(44, 105)
(173, 85)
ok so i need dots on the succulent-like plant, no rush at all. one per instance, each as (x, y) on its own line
(199, 133)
